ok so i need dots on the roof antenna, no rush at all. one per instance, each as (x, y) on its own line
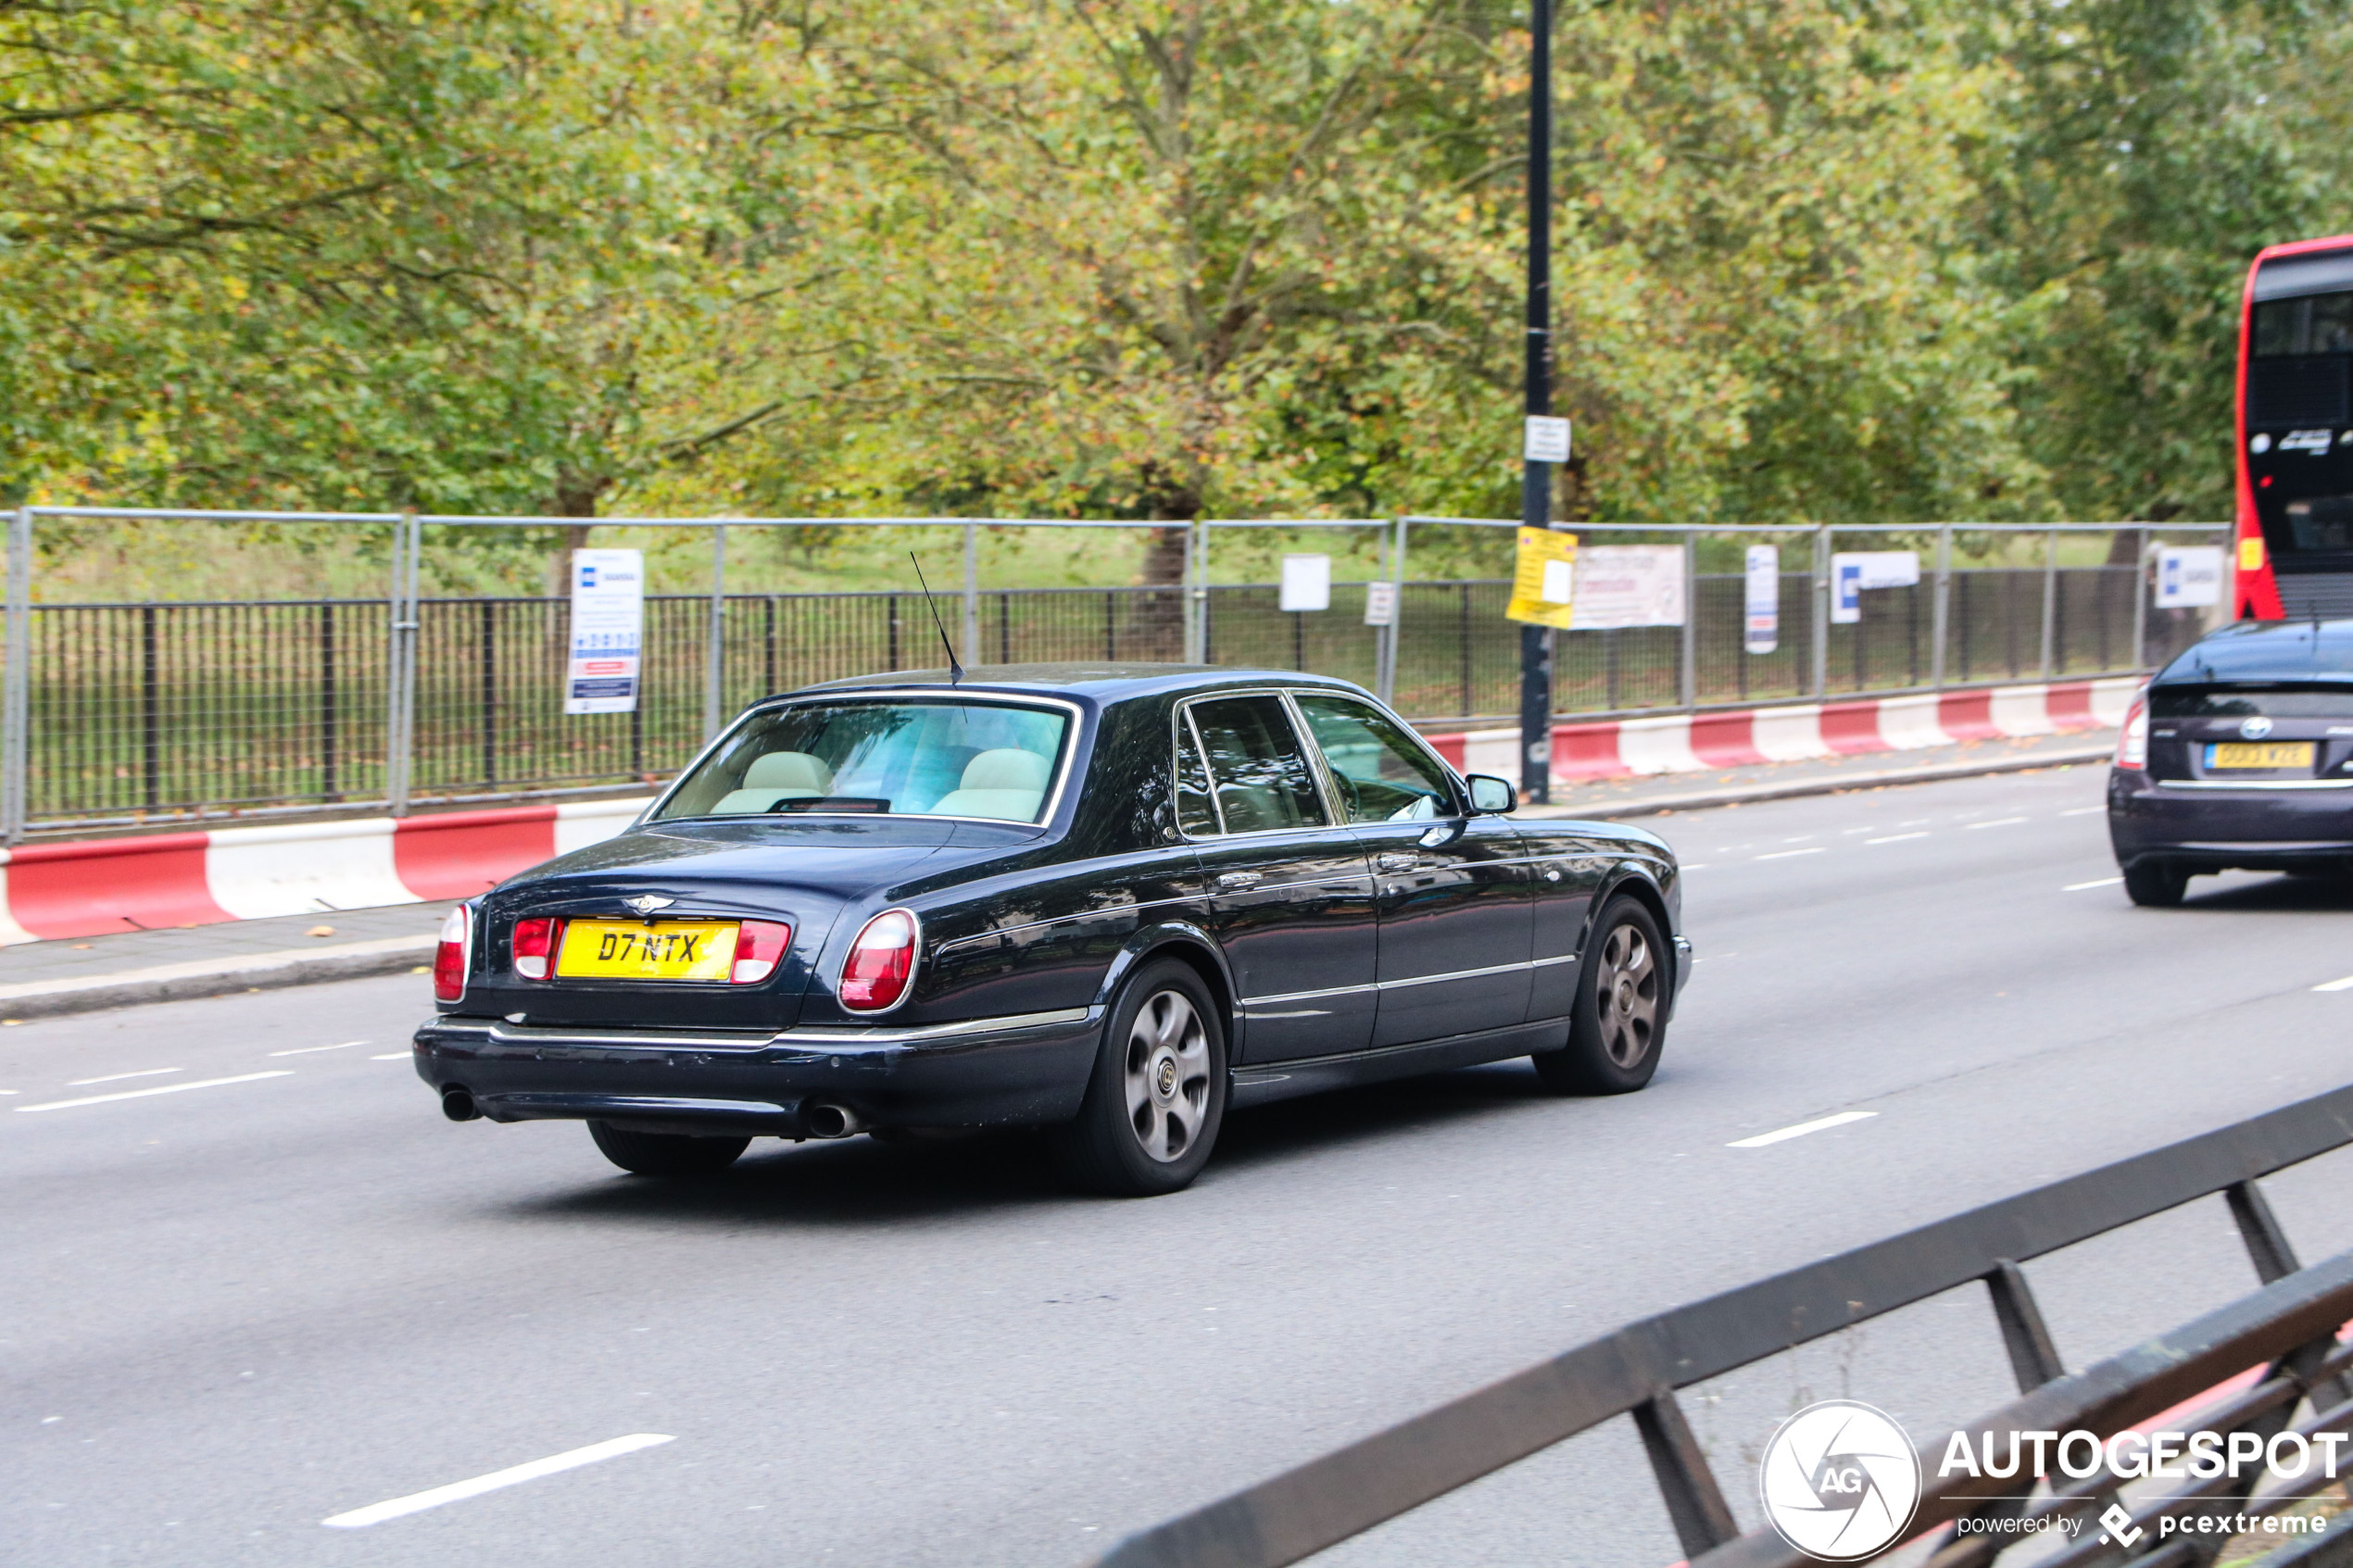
(955, 670)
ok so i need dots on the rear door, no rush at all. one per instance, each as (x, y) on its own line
(1291, 895)
(1453, 889)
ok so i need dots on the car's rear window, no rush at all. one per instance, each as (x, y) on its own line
(926, 757)
(2246, 702)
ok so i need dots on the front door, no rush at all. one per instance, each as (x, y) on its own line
(1291, 895)
(1453, 889)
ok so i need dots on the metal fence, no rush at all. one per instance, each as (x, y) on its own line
(123, 714)
(2288, 1330)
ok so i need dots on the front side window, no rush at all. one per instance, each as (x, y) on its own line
(1382, 774)
(924, 756)
(1258, 774)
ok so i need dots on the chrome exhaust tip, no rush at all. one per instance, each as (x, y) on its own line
(829, 1120)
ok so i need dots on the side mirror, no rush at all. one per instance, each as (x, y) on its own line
(1491, 796)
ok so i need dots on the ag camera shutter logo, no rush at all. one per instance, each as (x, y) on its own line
(1840, 1481)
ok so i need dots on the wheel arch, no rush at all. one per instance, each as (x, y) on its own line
(1633, 879)
(1190, 945)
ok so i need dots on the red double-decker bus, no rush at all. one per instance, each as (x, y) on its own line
(2294, 545)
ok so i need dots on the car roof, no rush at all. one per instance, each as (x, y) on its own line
(2267, 650)
(1103, 683)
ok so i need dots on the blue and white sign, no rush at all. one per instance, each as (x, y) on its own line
(608, 631)
(1853, 571)
(1762, 600)
(2189, 576)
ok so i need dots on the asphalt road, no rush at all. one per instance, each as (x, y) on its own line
(230, 1313)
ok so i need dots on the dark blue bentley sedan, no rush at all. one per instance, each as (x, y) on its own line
(1107, 901)
(2239, 755)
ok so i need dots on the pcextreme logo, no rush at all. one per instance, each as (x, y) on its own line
(1840, 1480)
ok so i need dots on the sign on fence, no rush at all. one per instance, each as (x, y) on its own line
(1543, 578)
(1761, 599)
(1853, 571)
(1307, 583)
(1630, 585)
(1380, 604)
(2188, 576)
(608, 631)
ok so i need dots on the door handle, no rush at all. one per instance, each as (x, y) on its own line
(1230, 880)
(1392, 861)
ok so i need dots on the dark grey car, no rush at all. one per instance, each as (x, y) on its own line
(2238, 754)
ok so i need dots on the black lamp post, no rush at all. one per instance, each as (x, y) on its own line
(1535, 478)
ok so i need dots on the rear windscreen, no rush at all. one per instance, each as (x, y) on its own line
(2246, 702)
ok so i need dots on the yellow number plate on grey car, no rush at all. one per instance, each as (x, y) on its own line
(626, 949)
(2267, 754)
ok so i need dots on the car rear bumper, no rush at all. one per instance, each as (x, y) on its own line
(2253, 827)
(982, 1072)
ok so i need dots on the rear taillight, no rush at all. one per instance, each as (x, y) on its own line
(535, 943)
(449, 958)
(2132, 740)
(759, 946)
(875, 977)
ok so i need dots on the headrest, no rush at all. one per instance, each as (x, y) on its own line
(788, 769)
(1007, 768)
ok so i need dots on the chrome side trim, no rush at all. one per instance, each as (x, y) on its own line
(2253, 784)
(928, 1031)
(1411, 980)
(524, 1034)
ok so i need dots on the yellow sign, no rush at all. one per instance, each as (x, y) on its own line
(671, 950)
(2251, 553)
(1543, 578)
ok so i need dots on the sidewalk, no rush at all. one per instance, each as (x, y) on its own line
(38, 979)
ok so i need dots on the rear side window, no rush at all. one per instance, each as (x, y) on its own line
(1194, 813)
(1257, 770)
(2247, 702)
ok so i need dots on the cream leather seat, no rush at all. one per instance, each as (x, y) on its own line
(780, 775)
(1007, 783)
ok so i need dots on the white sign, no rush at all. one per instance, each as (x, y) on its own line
(1761, 601)
(1853, 571)
(1547, 440)
(2189, 577)
(1380, 604)
(1629, 585)
(608, 631)
(1560, 582)
(1307, 582)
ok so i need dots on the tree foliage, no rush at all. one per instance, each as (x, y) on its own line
(1816, 260)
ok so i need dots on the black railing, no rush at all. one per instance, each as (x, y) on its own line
(2288, 1329)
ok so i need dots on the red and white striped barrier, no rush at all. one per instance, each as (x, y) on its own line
(94, 887)
(1692, 743)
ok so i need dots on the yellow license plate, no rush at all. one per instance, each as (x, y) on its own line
(628, 950)
(2251, 754)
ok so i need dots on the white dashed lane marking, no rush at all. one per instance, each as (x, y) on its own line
(457, 1491)
(306, 1050)
(1820, 1124)
(1895, 838)
(162, 1089)
(1785, 853)
(2344, 985)
(2080, 887)
(1999, 823)
(118, 1077)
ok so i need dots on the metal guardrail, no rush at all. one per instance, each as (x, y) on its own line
(161, 713)
(2289, 1328)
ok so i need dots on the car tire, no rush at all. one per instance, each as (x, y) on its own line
(1157, 1096)
(666, 1154)
(2154, 885)
(1618, 1022)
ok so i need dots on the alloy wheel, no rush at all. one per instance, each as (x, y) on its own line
(1628, 994)
(1167, 1075)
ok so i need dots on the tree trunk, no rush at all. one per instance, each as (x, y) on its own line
(576, 496)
